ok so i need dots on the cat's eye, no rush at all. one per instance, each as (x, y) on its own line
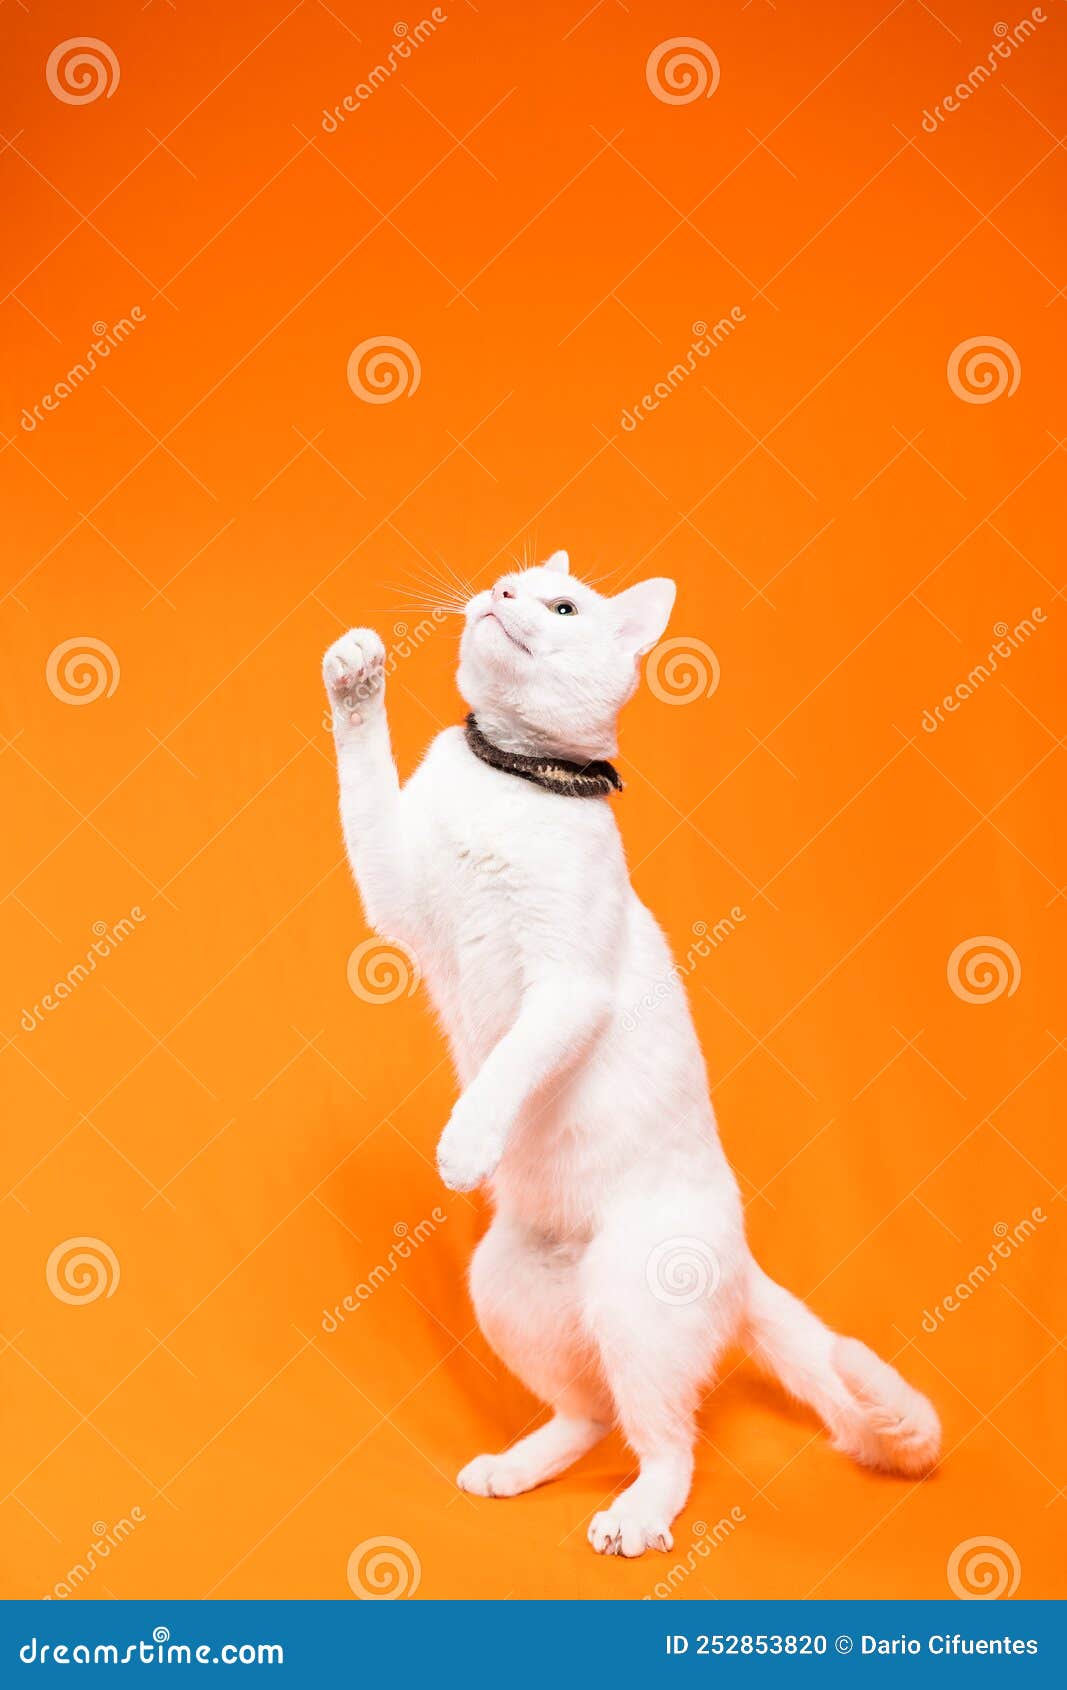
(564, 607)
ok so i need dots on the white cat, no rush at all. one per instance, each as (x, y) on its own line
(615, 1274)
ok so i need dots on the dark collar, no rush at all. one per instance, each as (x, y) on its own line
(555, 774)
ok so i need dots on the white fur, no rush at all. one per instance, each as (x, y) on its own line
(615, 1273)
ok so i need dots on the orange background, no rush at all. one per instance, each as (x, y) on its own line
(215, 504)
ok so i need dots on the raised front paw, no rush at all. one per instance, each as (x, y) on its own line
(467, 1153)
(354, 672)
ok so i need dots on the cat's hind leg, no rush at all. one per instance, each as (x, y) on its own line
(663, 1297)
(526, 1293)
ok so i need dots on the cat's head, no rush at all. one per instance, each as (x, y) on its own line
(547, 663)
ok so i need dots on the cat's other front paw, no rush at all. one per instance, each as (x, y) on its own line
(466, 1153)
(353, 670)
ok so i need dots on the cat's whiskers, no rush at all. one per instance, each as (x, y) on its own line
(460, 581)
(443, 582)
(432, 594)
(436, 606)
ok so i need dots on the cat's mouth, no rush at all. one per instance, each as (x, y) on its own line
(491, 615)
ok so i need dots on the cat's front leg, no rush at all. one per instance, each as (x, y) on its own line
(353, 670)
(472, 1143)
(551, 1035)
(470, 1146)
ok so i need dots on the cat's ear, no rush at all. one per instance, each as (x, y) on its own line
(642, 613)
(559, 562)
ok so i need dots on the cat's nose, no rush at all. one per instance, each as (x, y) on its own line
(500, 592)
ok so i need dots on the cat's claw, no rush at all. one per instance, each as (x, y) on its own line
(623, 1531)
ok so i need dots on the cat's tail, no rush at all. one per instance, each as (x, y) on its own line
(873, 1414)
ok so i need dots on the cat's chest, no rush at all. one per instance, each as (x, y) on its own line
(480, 874)
(500, 859)
(480, 920)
